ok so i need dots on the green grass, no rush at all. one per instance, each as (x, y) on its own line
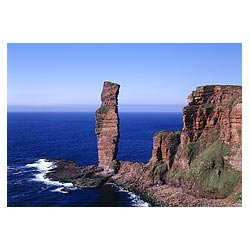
(192, 146)
(162, 134)
(209, 170)
(157, 168)
(192, 149)
(232, 101)
(218, 182)
(195, 148)
(208, 106)
(214, 155)
(102, 110)
(192, 174)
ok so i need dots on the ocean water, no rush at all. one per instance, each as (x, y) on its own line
(35, 137)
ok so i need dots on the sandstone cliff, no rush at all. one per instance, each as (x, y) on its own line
(165, 145)
(208, 155)
(212, 124)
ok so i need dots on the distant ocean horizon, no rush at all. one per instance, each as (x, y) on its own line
(93, 107)
(34, 137)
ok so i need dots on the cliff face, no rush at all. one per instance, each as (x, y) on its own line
(165, 145)
(206, 156)
(213, 123)
(107, 126)
(212, 126)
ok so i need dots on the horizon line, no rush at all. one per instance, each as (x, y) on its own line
(93, 108)
(58, 105)
(53, 111)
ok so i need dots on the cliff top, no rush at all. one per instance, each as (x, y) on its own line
(205, 88)
(214, 94)
(110, 83)
(110, 92)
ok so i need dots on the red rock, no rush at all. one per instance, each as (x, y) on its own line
(107, 126)
(214, 114)
(164, 147)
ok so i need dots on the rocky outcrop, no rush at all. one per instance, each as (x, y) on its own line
(165, 145)
(81, 177)
(212, 129)
(107, 127)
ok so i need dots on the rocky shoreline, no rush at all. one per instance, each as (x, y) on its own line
(135, 178)
(131, 176)
(201, 165)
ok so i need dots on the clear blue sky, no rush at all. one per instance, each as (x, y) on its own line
(51, 75)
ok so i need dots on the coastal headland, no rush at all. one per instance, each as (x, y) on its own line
(201, 165)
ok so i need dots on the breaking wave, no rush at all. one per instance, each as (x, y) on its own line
(43, 166)
(37, 172)
(135, 199)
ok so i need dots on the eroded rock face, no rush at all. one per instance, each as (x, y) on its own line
(212, 132)
(107, 127)
(165, 145)
(206, 157)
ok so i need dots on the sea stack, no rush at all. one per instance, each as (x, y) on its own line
(107, 127)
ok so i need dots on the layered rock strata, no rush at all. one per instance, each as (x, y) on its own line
(211, 135)
(107, 127)
(212, 126)
(208, 159)
(165, 145)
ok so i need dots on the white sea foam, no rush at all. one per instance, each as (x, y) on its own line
(43, 166)
(59, 190)
(17, 170)
(135, 199)
(62, 189)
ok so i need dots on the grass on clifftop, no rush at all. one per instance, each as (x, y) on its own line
(162, 134)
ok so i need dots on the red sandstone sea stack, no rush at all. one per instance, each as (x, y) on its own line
(107, 127)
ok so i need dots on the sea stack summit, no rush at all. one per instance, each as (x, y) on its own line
(107, 127)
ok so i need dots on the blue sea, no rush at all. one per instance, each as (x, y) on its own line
(35, 137)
